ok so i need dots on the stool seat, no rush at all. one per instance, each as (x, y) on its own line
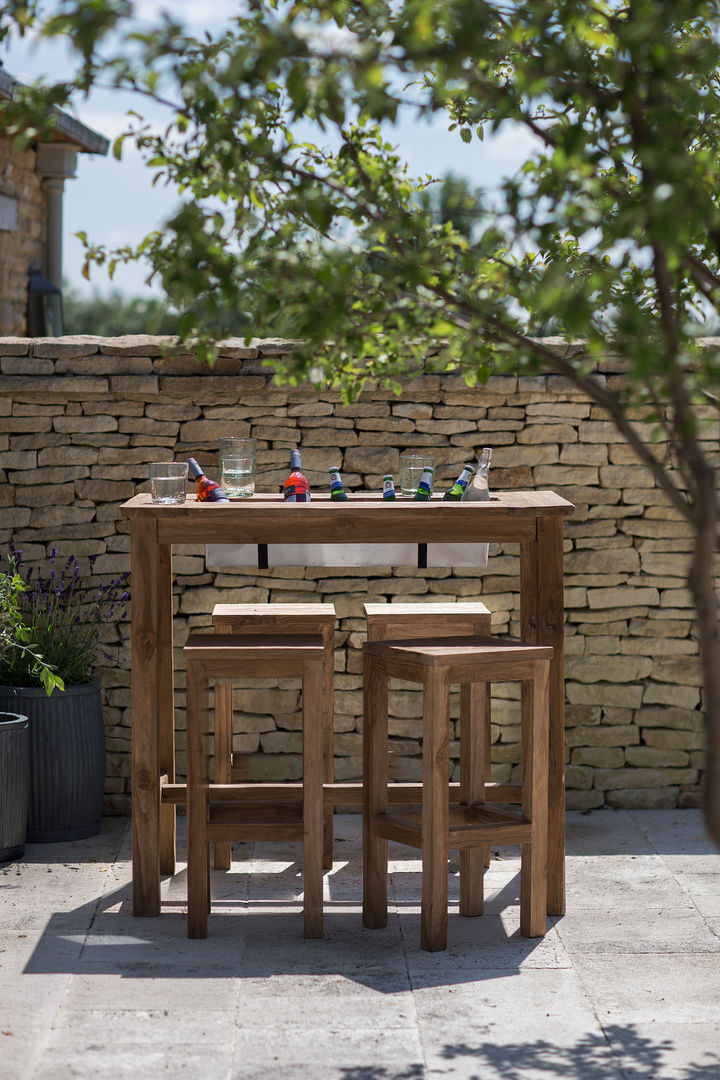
(225, 812)
(472, 824)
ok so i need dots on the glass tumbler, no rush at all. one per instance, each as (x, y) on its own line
(237, 466)
(412, 463)
(168, 481)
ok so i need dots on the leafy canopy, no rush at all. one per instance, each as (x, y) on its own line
(279, 140)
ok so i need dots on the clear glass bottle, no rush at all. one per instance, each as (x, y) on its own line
(207, 489)
(424, 490)
(296, 488)
(456, 492)
(337, 491)
(388, 491)
(478, 490)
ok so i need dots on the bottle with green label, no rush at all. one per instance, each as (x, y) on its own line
(456, 492)
(424, 490)
(337, 491)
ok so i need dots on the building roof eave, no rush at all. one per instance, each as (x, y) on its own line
(68, 128)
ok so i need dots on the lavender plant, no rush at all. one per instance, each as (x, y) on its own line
(16, 638)
(64, 613)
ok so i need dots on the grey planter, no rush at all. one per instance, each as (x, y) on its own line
(67, 759)
(14, 784)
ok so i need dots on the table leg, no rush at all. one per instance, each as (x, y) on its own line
(435, 812)
(166, 705)
(145, 767)
(551, 616)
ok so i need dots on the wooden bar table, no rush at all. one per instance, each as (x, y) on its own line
(532, 519)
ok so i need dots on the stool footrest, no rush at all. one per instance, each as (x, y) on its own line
(338, 793)
(257, 831)
(470, 826)
(226, 813)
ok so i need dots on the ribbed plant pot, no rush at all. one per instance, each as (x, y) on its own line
(14, 784)
(67, 759)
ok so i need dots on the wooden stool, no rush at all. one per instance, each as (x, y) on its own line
(275, 619)
(242, 812)
(386, 622)
(471, 824)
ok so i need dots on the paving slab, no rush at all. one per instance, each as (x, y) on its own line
(625, 986)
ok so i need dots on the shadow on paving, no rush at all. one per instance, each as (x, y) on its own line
(621, 1052)
(591, 1057)
(263, 937)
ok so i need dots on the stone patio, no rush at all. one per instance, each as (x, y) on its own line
(626, 985)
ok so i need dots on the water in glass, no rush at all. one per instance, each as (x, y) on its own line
(237, 477)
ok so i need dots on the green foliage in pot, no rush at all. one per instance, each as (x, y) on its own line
(17, 647)
(53, 619)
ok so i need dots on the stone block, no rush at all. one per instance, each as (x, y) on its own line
(620, 669)
(582, 715)
(548, 433)
(85, 424)
(281, 742)
(654, 758)
(609, 599)
(619, 779)
(625, 735)
(643, 798)
(599, 757)
(614, 560)
(552, 476)
(670, 739)
(685, 697)
(675, 718)
(578, 777)
(584, 800)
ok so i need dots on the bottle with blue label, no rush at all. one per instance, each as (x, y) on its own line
(337, 491)
(388, 491)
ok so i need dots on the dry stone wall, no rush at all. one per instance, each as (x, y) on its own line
(80, 418)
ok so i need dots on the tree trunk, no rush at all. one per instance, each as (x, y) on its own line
(702, 587)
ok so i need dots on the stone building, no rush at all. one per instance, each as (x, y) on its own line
(32, 182)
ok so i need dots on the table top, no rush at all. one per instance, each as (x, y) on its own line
(365, 518)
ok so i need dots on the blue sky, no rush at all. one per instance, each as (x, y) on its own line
(114, 202)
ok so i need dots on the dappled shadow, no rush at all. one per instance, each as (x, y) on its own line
(618, 1053)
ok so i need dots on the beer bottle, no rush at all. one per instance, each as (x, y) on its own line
(337, 491)
(388, 491)
(207, 489)
(456, 492)
(424, 490)
(296, 488)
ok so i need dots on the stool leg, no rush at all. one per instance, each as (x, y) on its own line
(328, 698)
(197, 794)
(313, 732)
(375, 795)
(533, 865)
(474, 729)
(223, 760)
(435, 811)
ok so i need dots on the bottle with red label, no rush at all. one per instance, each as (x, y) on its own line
(207, 489)
(296, 488)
